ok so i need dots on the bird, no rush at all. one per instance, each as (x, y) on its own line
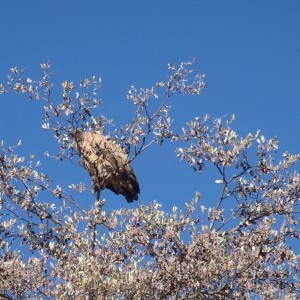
(107, 163)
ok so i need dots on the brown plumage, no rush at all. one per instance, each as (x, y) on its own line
(107, 163)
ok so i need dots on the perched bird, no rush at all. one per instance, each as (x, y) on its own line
(107, 163)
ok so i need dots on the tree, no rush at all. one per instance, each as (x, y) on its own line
(239, 248)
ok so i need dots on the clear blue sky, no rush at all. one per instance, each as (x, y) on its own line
(249, 50)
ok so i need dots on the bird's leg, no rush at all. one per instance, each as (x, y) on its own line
(98, 194)
(97, 190)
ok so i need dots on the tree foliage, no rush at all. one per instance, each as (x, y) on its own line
(238, 248)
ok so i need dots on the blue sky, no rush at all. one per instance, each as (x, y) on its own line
(249, 51)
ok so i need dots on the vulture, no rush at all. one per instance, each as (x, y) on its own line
(107, 163)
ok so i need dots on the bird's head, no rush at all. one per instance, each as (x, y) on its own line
(78, 135)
